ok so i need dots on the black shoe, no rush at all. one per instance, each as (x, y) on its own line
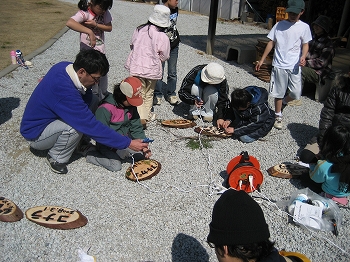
(56, 167)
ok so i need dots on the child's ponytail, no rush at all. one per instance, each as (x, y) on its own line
(83, 5)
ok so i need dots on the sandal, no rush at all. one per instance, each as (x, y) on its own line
(287, 170)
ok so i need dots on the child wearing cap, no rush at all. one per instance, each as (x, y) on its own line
(205, 88)
(118, 111)
(239, 232)
(169, 88)
(249, 116)
(150, 47)
(290, 38)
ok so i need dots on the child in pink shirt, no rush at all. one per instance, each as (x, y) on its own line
(92, 20)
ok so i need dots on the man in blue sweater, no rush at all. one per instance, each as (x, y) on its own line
(58, 111)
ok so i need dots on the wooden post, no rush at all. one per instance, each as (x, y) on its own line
(212, 26)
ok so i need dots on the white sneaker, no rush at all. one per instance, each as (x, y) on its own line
(278, 122)
(208, 118)
(173, 100)
(152, 116)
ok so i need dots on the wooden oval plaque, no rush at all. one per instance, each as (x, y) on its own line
(56, 217)
(143, 169)
(178, 123)
(9, 211)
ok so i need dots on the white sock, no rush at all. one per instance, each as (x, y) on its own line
(278, 114)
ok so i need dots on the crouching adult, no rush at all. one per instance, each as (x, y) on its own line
(58, 114)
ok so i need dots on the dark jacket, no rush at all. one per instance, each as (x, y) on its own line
(257, 120)
(336, 109)
(189, 80)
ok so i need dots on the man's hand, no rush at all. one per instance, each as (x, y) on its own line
(138, 145)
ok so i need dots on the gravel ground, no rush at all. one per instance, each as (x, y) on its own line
(166, 218)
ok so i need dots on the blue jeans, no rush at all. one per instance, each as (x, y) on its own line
(170, 87)
(246, 139)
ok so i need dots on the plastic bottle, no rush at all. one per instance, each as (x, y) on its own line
(13, 57)
(20, 59)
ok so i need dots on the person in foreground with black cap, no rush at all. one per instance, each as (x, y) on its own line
(239, 232)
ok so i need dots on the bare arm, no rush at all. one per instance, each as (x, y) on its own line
(304, 50)
(74, 25)
(268, 49)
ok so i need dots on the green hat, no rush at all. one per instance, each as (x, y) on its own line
(295, 6)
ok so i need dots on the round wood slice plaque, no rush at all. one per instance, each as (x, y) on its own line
(212, 131)
(56, 217)
(178, 123)
(9, 211)
(143, 169)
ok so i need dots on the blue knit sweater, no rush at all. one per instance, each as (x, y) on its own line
(56, 97)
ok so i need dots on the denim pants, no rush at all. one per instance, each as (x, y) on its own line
(170, 87)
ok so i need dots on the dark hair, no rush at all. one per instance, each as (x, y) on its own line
(240, 98)
(92, 61)
(104, 4)
(164, 1)
(336, 140)
(118, 96)
(160, 29)
(247, 252)
(342, 81)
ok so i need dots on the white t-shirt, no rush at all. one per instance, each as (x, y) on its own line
(288, 38)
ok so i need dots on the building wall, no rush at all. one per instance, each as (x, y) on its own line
(227, 9)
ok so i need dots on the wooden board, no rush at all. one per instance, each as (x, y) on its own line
(143, 169)
(9, 211)
(56, 217)
(178, 123)
(212, 131)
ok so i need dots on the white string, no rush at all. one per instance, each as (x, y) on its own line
(212, 187)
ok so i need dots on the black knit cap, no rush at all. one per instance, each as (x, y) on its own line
(237, 220)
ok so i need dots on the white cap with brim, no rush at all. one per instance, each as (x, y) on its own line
(160, 16)
(213, 74)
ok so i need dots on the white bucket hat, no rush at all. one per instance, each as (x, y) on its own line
(160, 16)
(213, 74)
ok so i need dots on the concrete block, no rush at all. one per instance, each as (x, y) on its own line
(244, 54)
